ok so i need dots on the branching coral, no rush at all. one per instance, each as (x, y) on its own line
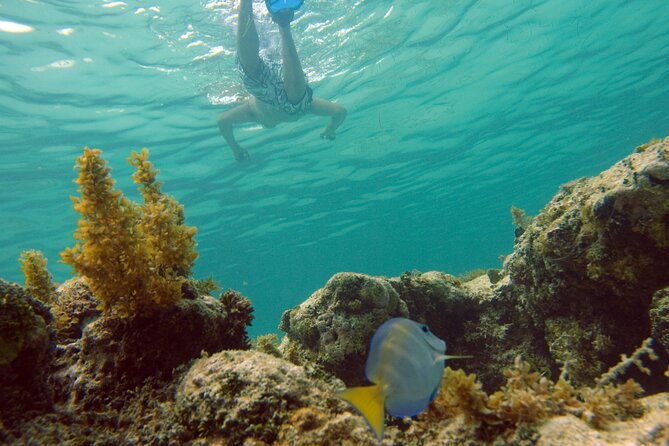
(239, 314)
(269, 344)
(625, 362)
(132, 257)
(602, 405)
(170, 244)
(237, 307)
(460, 394)
(520, 220)
(38, 280)
(529, 397)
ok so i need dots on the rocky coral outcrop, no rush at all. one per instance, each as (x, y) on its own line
(117, 353)
(333, 327)
(73, 307)
(245, 396)
(650, 429)
(585, 269)
(659, 317)
(573, 296)
(25, 348)
(587, 282)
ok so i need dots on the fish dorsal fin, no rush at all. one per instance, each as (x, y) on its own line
(369, 402)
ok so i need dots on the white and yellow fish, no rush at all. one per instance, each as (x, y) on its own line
(406, 364)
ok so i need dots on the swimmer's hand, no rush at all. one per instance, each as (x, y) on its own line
(241, 154)
(329, 135)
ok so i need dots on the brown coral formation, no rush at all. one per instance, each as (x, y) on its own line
(39, 282)
(585, 269)
(73, 307)
(133, 257)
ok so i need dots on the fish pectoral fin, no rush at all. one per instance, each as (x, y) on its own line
(369, 402)
(446, 357)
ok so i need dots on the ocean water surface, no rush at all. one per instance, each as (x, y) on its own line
(458, 109)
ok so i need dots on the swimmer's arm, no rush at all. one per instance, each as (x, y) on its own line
(237, 115)
(322, 107)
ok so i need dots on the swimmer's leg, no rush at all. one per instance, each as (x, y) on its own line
(294, 81)
(248, 43)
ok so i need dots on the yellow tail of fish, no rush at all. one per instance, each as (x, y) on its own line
(369, 402)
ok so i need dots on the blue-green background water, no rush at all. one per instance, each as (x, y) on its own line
(457, 110)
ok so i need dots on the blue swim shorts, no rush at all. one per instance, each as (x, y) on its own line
(268, 88)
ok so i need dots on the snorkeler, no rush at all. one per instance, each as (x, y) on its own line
(279, 92)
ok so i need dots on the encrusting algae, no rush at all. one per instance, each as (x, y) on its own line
(134, 258)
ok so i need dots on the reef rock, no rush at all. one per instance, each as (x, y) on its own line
(73, 308)
(117, 353)
(443, 302)
(659, 317)
(585, 269)
(247, 397)
(574, 295)
(25, 347)
(333, 327)
(650, 429)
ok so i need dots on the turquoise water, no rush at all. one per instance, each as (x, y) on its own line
(457, 110)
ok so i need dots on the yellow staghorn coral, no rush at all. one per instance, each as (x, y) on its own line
(171, 244)
(38, 279)
(127, 253)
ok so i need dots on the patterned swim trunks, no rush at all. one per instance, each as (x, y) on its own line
(268, 88)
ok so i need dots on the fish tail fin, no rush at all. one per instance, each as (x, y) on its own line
(369, 402)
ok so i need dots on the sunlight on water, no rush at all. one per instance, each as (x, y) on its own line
(457, 110)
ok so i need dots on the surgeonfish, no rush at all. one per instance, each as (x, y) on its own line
(405, 365)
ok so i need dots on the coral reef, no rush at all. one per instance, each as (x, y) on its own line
(25, 347)
(112, 358)
(600, 241)
(333, 327)
(659, 317)
(245, 395)
(590, 262)
(73, 307)
(134, 258)
(119, 333)
(118, 353)
(38, 279)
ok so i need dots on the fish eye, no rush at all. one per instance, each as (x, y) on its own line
(425, 329)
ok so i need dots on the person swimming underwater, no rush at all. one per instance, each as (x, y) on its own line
(279, 91)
